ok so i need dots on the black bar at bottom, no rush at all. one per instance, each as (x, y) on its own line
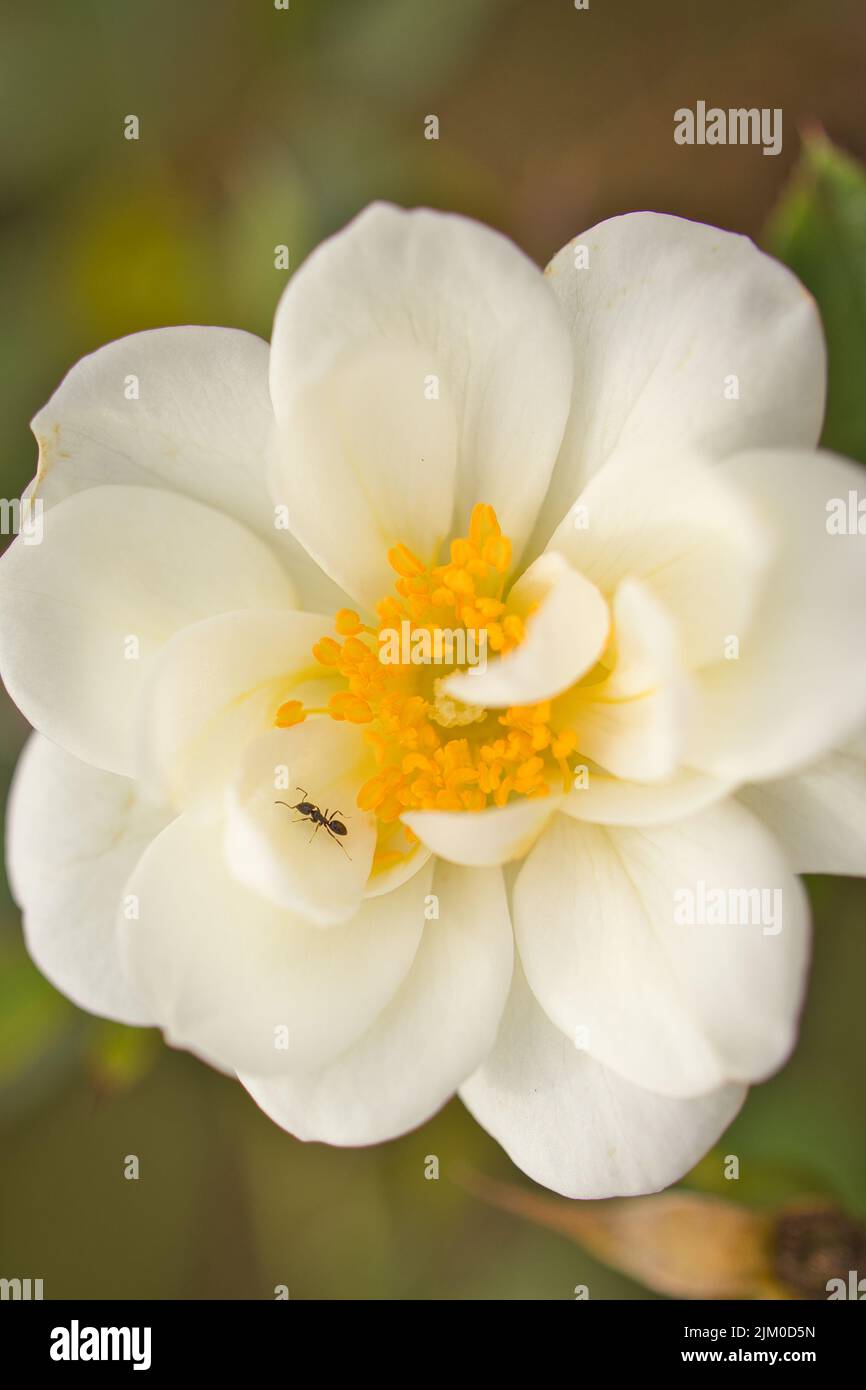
(69, 1338)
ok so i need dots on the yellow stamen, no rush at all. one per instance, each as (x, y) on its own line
(345, 705)
(292, 712)
(432, 751)
(347, 623)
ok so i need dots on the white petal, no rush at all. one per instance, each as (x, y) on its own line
(277, 851)
(664, 315)
(74, 835)
(117, 565)
(483, 838)
(224, 970)
(633, 722)
(364, 462)
(364, 455)
(675, 522)
(674, 1005)
(565, 636)
(819, 816)
(576, 1127)
(608, 800)
(436, 1030)
(200, 427)
(213, 688)
(798, 687)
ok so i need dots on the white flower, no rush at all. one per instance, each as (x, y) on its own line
(630, 437)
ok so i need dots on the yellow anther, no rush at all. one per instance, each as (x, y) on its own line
(500, 796)
(483, 523)
(355, 651)
(290, 713)
(345, 705)
(424, 790)
(407, 564)
(347, 623)
(442, 598)
(564, 743)
(461, 775)
(459, 581)
(530, 768)
(417, 762)
(490, 607)
(496, 551)
(327, 651)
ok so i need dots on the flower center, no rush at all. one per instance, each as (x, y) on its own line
(433, 751)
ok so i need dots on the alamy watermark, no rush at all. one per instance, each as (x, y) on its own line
(847, 516)
(729, 907)
(77, 1343)
(735, 126)
(22, 517)
(442, 646)
(21, 1289)
(855, 1288)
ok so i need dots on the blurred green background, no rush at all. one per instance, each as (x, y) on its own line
(261, 127)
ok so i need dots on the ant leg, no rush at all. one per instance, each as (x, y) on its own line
(338, 841)
(315, 832)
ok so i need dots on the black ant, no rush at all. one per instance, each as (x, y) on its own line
(310, 811)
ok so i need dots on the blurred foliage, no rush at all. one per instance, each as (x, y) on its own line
(819, 230)
(262, 128)
(118, 1057)
(36, 1024)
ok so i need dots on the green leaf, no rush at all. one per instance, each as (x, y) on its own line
(819, 230)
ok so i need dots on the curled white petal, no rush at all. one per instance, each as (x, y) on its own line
(442, 380)
(214, 688)
(684, 337)
(565, 636)
(819, 815)
(248, 985)
(73, 836)
(679, 952)
(287, 855)
(575, 1126)
(84, 613)
(483, 838)
(797, 688)
(439, 1026)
